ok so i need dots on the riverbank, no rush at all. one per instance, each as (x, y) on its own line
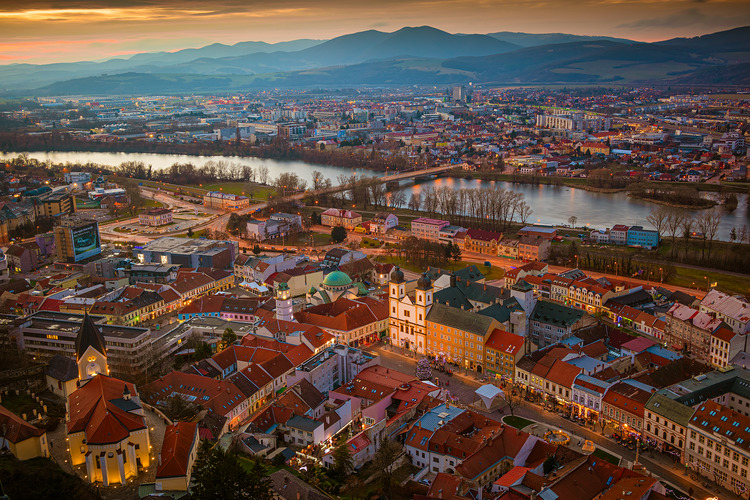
(667, 203)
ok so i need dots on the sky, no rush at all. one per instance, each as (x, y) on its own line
(37, 32)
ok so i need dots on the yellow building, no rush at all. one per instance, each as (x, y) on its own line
(178, 453)
(458, 336)
(24, 440)
(502, 351)
(106, 423)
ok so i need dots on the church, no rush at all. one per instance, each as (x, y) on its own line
(107, 429)
(335, 285)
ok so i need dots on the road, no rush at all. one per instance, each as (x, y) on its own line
(659, 465)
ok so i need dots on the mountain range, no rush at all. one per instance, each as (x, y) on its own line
(409, 56)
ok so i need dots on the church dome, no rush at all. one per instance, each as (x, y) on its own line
(424, 282)
(397, 276)
(337, 279)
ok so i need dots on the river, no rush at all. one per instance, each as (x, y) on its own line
(551, 204)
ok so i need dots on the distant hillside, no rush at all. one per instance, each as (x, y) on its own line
(428, 56)
(535, 39)
(733, 74)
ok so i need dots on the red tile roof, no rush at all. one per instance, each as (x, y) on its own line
(93, 411)
(15, 428)
(179, 440)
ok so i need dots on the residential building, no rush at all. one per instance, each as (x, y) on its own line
(23, 258)
(666, 424)
(484, 242)
(618, 235)
(508, 248)
(725, 345)
(54, 204)
(544, 232)
(732, 310)
(382, 222)
(333, 217)
(428, 229)
(588, 392)
(623, 406)
(332, 367)
(718, 444)
(533, 249)
(351, 322)
(550, 322)
(155, 217)
(690, 330)
(502, 351)
(178, 453)
(22, 439)
(62, 375)
(458, 336)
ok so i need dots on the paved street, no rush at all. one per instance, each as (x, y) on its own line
(657, 464)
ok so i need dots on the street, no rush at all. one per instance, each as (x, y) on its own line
(459, 385)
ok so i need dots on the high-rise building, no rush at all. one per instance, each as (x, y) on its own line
(75, 242)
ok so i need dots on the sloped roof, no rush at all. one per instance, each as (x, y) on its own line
(89, 335)
(460, 319)
(179, 440)
(62, 368)
(15, 428)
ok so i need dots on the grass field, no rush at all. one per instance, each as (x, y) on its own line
(259, 192)
(695, 278)
(606, 456)
(517, 422)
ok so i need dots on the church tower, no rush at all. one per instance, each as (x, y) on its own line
(91, 354)
(284, 306)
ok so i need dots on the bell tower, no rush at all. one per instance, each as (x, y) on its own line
(91, 354)
(284, 306)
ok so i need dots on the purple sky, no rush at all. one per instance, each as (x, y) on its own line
(40, 32)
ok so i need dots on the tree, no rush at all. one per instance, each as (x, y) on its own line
(673, 222)
(733, 235)
(384, 463)
(572, 220)
(343, 465)
(455, 252)
(424, 371)
(263, 174)
(513, 400)
(524, 212)
(317, 180)
(190, 232)
(338, 234)
(658, 218)
(228, 338)
(257, 250)
(177, 408)
(687, 228)
(218, 475)
(315, 219)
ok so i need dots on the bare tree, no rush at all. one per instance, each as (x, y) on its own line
(263, 174)
(525, 211)
(513, 400)
(415, 202)
(687, 228)
(658, 218)
(572, 220)
(398, 199)
(673, 223)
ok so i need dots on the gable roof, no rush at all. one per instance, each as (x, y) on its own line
(16, 429)
(179, 440)
(89, 335)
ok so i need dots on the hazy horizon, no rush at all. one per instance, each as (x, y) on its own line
(41, 32)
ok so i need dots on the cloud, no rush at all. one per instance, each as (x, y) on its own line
(685, 18)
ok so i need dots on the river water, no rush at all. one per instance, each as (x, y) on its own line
(551, 204)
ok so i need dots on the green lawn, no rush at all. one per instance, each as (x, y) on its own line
(20, 404)
(196, 234)
(371, 243)
(259, 192)
(517, 422)
(695, 278)
(606, 456)
(149, 203)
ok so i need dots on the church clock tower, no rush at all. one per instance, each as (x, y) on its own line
(91, 355)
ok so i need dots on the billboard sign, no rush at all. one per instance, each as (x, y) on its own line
(86, 241)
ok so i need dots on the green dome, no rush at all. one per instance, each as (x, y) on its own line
(337, 278)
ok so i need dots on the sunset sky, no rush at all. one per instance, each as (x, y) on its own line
(41, 32)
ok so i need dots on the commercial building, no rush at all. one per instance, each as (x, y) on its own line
(666, 424)
(643, 238)
(188, 252)
(155, 217)
(44, 334)
(484, 242)
(382, 222)
(225, 201)
(54, 204)
(502, 351)
(75, 242)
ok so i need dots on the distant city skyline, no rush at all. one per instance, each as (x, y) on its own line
(45, 32)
